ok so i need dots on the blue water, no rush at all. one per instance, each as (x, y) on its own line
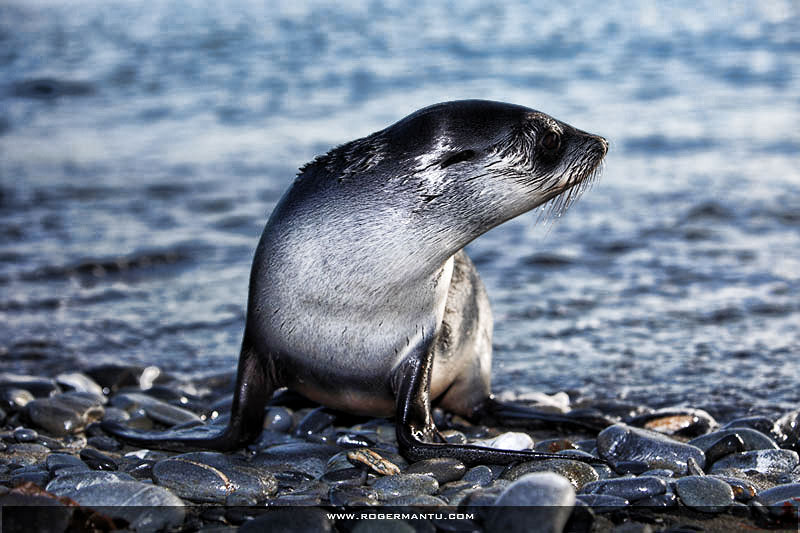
(143, 145)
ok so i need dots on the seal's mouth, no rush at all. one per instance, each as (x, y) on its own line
(579, 176)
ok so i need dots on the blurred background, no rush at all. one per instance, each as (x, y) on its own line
(143, 145)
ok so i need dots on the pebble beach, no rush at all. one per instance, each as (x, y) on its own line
(675, 469)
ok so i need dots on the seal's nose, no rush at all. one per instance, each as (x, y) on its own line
(603, 144)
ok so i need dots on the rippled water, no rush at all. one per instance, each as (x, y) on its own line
(142, 146)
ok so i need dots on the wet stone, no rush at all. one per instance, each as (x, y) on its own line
(683, 422)
(778, 494)
(38, 387)
(507, 441)
(398, 485)
(25, 435)
(278, 419)
(629, 488)
(26, 453)
(481, 475)
(578, 473)
(724, 446)
(453, 436)
(346, 495)
(443, 469)
(64, 414)
(306, 457)
(38, 477)
(107, 444)
(759, 423)
(604, 502)
(78, 382)
(157, 410)
(751, 439)
(456, 487)
(97, 460)
(705, 494)
(314, 422)
(354, 440)
(624, 468)
(623, 443)
(215, 478)
(68, 484)
(289, 521)
(769, 462)
(145, 507)
(58, 461)
(345, 476)
(547, 499)
(14, 399)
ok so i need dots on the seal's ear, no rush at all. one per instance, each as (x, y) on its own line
(458, 157)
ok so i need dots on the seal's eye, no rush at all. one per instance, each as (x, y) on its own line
(551, 141)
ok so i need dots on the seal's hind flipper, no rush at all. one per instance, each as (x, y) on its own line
(494, 412)
(416, 434)
(255, 383)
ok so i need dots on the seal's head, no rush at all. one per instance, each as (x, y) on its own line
(448, 173)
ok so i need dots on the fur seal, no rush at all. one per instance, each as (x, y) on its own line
(361, 295)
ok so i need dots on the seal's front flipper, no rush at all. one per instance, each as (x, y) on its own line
(417, 436)
(494, 412)
(254, 387)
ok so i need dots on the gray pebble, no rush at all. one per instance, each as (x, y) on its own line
(481, 474)
(314, 422)
(215, 478)
(104, 443)
(25, 435)
(752, 439)
(779, 494)
(704, 493)
(443, 469)
(759, 423)
(306, 457)
(160, 411)
(548, 500)
(770, 462)
(38, 387)
(623, 443)
(76, 381)
(354, 440)
(57, 461)
(38, 477)
(346, 495)
(389, 487)
(147, 508)
(345, 476)
(724, 446)
(14, 399)
(26, 453)
(578, 473)
(629, 488)
(70, 483)
(61, 415)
